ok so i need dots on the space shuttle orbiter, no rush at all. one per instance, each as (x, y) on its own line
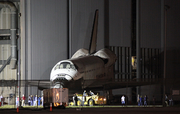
(87, 65)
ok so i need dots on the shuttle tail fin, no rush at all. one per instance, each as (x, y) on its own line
(93, 42)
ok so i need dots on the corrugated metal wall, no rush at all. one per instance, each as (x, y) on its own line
(123, 66)
(150, 24)
(5, 53)
(46, 36)
(173, 38)
(150, 63)
(5, 18)
(5, 47)
(120, 23)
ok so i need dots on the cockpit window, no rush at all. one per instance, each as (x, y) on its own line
(61, 66)
(65, 65)
(68, 66)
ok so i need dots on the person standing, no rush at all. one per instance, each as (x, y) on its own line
(2, 100)
(35, 100)
(39, 100)
(84, 97)
(29, 100)
(166, 100)
(145, 100)
(171, 102)
(42, 100)
(17, 101)
(138, 100)
(76, 99)
(23, 100)
(123, 100)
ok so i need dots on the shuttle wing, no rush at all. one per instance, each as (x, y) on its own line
(93, 42)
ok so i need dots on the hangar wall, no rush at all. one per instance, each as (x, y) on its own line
(120, 23)
(172, 43)
(150, 24)
(173, 38)
(46, 36)
(46, 31)
(5, 52)
(150, 37)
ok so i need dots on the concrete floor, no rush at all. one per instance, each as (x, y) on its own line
(105, 110)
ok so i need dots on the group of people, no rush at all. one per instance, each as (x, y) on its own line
(140, 100)
(23, 100)
(32, 100)
(75, 98)
(168, 102)
(143, 100)
(35, 100)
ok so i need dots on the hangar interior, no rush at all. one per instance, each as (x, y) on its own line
(36, 34)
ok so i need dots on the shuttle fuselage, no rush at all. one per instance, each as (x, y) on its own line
(97, 66)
